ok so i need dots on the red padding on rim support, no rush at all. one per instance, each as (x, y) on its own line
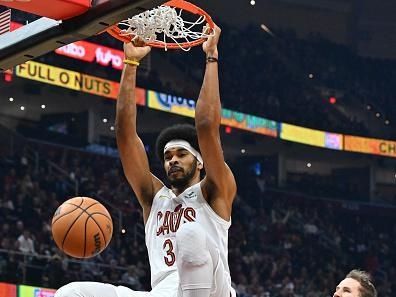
(187, 6)
(54, 9)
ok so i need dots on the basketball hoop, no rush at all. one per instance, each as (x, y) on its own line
(165, 20)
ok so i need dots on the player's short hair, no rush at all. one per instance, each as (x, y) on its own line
(179, 131)
(367, 288)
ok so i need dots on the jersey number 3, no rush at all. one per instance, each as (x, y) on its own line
(170, 255)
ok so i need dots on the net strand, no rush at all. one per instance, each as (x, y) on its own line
(162, 20)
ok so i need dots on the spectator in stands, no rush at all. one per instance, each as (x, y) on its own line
(25, 242)
(279, 258)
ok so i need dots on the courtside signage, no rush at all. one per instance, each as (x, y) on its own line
(370, 146)
(50, 75)
(334, 141)
(172, 104)
(99, 86)
(302, 135)
(28, 291)
(186, 107)
(74, 80)
(249, 122)
(8, 290)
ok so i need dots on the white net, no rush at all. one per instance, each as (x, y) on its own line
(163, 24)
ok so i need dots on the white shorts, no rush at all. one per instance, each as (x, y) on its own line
(169, 286)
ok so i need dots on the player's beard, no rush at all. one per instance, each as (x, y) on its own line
(181, 182)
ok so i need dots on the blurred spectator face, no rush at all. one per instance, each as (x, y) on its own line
(26, 233)
(5, 243)
(13, 172)
(20, 226)
(5, 228)
(113, 263)
(290, 288)
(36, 201)
(132, 270)
(123, 261)
(46, 227)
(347, 288)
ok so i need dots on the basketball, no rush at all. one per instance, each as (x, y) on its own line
(82, 227)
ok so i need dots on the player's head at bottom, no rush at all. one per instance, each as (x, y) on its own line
(356, 283)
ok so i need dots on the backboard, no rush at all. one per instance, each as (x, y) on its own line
(45, 34)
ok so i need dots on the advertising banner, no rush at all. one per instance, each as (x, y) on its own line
(370, 146)
(91, 52)
(7, 290)
(170, 103)
(249, 122)
(74, 80)
(140, 96)
(50, 75)
(302, 135)
(334, 141)
(88, 52)
(28, 291)
(98, 86)
(186, 107)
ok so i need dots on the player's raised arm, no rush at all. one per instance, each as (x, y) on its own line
(133, 155)
(219, 185)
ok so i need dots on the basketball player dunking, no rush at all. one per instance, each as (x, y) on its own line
(186, 225)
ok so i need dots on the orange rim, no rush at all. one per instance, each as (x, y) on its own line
(115, 31)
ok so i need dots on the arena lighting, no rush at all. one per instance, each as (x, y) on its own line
(333, 100)
(311, 76)
(123, 231)
(387, 122)
(368, 107)
(243, 151)
(377, 114)
(22, 107)
(266, 29)
(104, 120)
(11, 99)
(252, 2)
(112, 128)
(309, 165)
(43, 106)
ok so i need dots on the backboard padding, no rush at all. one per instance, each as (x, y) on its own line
(17, 47)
